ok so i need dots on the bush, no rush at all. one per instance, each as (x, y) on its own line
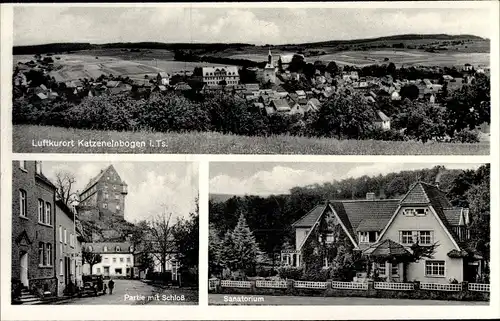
(290, 273)
(466, 136)
(318, 275)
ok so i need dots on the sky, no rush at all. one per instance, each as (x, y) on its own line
(153, 188)
(63, 23)
(247, 178)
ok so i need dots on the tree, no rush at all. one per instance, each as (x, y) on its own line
(214, 247)
(332, 68)
(91, 258)
(162, 241)
(186, 236)
(391, 68)
(64, 183)
(409, 91)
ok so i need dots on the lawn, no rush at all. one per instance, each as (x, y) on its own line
(23, 137)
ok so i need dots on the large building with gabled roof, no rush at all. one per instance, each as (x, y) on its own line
(104, 195)
(424, 216)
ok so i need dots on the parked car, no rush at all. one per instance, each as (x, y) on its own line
(93, 285)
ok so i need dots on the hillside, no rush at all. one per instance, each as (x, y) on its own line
(216, 47)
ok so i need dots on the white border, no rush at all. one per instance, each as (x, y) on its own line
(204, 312)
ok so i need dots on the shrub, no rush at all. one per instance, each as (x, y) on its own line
(319, 275)
(466, 136)
(290, 273)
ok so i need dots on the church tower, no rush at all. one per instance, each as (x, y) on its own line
(270, 69)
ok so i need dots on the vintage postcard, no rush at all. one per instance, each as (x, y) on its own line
(246, 80)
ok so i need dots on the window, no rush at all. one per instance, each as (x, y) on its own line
(368, 237)
(420, 211)
(38, 166)
(325, 263)
(117, 196)
(48, 251)
(118, 271)
(118, 207)
(106, 259)
(90, 248)
(434, 268)
(121, 260)
(60, 234)
(128, 260)
(65, 236)
(40, 211)
(117, 249)
(105, 196)
(22, 165)
(381, 268)
(107, 177)
(98, 270)
(48, 213)
(105, 249)
(41, 251)
(425, 238)
(406, 237)
(105, 205)
(415, 211)
(114, 187)
(22, 203)
(114, 260)
(394, 269)
(61, 267)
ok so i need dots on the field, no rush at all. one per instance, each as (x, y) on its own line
(398, 57)
(23, 137)
(79, 66)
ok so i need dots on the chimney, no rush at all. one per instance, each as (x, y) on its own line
(370, 196)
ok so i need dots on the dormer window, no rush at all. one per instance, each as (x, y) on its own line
(105, 249)
(368, 237)
(420, 211)
(118, 249)
(90, 248)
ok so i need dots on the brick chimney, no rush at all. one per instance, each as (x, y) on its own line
(370, 196)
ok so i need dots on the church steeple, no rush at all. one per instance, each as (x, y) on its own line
(270, 58)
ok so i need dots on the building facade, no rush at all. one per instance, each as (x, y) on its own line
(217, 76)
(117, 259)
(33, 228)
(424, 216)
(104, 196)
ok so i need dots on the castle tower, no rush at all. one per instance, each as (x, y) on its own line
(106, 193)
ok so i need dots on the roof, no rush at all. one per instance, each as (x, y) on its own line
(112, 83)
(206, 71)
(252, 87)
(96, 178)
(386, 248)
(286, 59)
(163, 74)
(453, 215)
(383, 116)
(371, 224)
(182, 86)
(300, 92)
(124, 247)
(42, 96)
(70, 213)
(310, 217)
(280, 104)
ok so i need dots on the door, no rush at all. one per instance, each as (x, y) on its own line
(24, 269)
(67, 270)
(106, 271)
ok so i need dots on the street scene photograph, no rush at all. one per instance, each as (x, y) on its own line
(104, 233)
(241, 79)
(349, 233)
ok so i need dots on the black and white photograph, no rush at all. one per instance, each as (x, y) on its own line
(349, 234)
(104, 233)
(245, 79)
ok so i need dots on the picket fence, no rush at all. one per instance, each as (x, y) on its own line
(278, 284)
(282, 284)
(441, 287)
(479, 287)
(235, 284)
(310, 285)
(350, 285)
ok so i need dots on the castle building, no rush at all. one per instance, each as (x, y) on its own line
(33, 232)
(269, 70)
(104, 196)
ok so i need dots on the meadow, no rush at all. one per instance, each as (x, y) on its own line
(398, 57)
(217, 143)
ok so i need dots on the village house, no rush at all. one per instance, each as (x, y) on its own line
(284, 61)
(269, 70)
(33, 228)
(68, 269)
(117, 259)
(382, 121)
(373, 226)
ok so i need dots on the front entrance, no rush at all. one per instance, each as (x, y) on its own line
(106, 271)
(24, 269)
(67, 270)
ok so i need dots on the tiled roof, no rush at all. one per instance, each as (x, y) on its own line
(371, 224)
(382, 116)
(96, 178)
(311, 217)
(386, 248)
(359, 210)
(453, 215)
(416, 195)
(111, 247)
(436, 196)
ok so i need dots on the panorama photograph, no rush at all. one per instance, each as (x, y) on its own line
(239, 79)
(86, 233)
(349, 234)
